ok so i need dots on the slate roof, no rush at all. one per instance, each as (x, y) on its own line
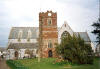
(35, 33)
(23, 46)
(15, 31)
(83, 35)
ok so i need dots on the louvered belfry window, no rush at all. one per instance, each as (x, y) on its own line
(49, 21)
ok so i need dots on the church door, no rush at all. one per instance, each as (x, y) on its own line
(50, 53)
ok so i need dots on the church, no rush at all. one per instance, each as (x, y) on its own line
(25, 42)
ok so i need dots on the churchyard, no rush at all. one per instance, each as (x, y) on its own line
(49, 63)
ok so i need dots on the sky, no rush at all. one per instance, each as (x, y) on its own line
(79, 14)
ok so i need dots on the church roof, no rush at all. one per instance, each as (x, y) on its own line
(35, 33)
(83, 35)
(15, 31)
(23, 46)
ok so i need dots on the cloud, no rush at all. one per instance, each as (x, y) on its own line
(79, 14)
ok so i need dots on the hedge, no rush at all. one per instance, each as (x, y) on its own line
(15, 65)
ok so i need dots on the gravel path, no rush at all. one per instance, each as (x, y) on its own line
(3, 65)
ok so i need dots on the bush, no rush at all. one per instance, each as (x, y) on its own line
(75, 50)
(15, 65)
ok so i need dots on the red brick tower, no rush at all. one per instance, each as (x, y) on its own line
(48, 33)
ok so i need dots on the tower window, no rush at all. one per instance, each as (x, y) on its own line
(49, 22)
(49, 44)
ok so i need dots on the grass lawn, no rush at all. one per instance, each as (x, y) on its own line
(48, 63)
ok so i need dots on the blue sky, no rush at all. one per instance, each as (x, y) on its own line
(79, 14)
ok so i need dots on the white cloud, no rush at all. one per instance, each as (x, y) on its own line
(74, 13)
(79, 14)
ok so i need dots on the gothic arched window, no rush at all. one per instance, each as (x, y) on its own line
(29, 35)
(20, 35)
(64, 34)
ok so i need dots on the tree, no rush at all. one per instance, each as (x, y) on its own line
(75, 50)
(96, 30)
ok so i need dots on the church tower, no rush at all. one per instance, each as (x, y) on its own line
(48, 34)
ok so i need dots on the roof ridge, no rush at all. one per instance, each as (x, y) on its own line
(25, 27)
(80, 32)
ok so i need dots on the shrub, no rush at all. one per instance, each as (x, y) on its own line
(75, 50)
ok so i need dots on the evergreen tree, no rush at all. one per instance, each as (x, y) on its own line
(75, 50)
(96, 30)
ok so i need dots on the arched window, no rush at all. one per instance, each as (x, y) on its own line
(49, 22)
(64, 34)
(20, 35)
(29, 35)
(49, 44)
